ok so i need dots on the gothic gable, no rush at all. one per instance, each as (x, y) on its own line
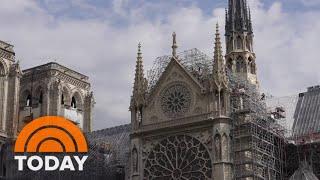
(174, 77)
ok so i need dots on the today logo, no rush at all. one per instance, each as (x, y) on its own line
(50, 134)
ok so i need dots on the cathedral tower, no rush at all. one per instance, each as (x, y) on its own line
(240, 58)
(10, 75)
(55, 90)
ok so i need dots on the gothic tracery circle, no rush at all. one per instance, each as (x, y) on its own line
(175, 100)
(178, 158)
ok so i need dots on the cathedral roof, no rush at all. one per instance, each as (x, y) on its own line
(114, 141)
(306, 116)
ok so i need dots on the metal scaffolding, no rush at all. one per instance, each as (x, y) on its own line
(258, 137)
(196, 62)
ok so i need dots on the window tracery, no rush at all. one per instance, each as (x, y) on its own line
(178, 157)
(176, 100)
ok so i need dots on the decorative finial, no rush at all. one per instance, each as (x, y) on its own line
(218, 65)
(139, 50)
(174, 45)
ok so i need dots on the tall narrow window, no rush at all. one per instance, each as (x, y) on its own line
(229, 64)
(238, 68)
(252, 66)
(230, 48)
(73, 102)
(222, 98)
(62, 99)
(248, 44)
(239, 43)
(217, 147)
(225, 147)
(29, 101)
(2, 70)
(140, 115)
(40, 98)
(135, 160)
(240, 64)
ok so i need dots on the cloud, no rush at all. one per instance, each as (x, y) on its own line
(104, 48)
(311, 2)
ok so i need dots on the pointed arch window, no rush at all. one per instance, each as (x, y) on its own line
(73, 102)
(62, 99)
(2, 70)
(29, 101)
(252, 66)
(239, 43)
(135, 160)
(229, 64)
(41, 98)
(238, 66)
(248, 43)
(230, 47)
(217, 147)
(222, 100)
(225, 147)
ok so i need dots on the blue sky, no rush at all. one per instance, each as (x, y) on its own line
(99, 38)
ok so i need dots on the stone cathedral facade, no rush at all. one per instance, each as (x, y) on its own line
(181, 124)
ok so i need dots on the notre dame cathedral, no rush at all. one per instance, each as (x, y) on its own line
(193, 117)
(182, 121)
(198, 117)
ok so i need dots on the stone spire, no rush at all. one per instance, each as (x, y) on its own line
(174, 45)
(249, 20)
(219, 73)
(238, 17)
(240, 57)
(140, 82)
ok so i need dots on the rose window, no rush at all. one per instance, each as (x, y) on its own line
(175, 100)
(178, 158)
